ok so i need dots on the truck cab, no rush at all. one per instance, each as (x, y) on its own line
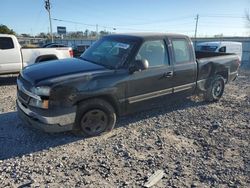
(10, 55)
(13, 57)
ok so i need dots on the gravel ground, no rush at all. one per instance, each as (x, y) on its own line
(196, 144)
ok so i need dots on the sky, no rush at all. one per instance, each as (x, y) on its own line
(216, 17)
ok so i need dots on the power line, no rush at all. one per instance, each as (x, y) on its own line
(81, 23)
(94, 25)
(60, 20)
(222, 16)
(115, 28)
(123, 27)
(158, 21)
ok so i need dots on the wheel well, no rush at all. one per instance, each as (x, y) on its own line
(45, 58)
(216, 71)
(106, 98)
(224, 74)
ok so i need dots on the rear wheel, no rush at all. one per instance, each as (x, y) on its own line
(215, 89)
(95, 116)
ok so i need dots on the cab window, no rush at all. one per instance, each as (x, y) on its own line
(154, 52)
(181, 51)
(223, 49)
(6, 43)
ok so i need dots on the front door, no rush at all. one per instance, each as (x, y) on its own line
(156, 80)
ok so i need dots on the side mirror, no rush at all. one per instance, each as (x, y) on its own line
(139, 65)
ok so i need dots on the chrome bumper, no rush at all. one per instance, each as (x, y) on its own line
(50, 123)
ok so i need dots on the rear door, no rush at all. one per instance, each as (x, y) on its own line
(10, 57)
(157, 79)
(185, 67)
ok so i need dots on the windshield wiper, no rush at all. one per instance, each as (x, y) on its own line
(91, 61)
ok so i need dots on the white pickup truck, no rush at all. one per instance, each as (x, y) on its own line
(13, 57)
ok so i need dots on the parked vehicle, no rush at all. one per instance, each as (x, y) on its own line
(80, 49)
(116, 76)
(13, 57)
(221, 46)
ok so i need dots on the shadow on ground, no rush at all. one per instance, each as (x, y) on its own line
(7, 80)
(17, 139)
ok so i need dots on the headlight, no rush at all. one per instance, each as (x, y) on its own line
(41, 91)
(42, 99)
(44, 103)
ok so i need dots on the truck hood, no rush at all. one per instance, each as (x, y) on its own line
(52, 69)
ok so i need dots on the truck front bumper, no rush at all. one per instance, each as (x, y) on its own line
(46, 121)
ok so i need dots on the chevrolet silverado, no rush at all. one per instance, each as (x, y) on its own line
(116, 76)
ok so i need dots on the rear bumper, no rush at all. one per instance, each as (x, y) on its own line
(48, 124)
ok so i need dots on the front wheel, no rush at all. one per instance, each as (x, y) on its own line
(215, 89)
(95, 116)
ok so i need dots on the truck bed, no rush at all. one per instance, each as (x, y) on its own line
(201, 54)
(210, 63)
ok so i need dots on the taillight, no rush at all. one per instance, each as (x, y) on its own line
(71, 53)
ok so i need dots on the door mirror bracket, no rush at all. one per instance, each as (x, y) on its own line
(139, 65)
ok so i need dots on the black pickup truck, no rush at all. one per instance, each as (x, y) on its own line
(116, 76)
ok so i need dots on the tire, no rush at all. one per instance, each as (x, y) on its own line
(215, 89)
(95, 117)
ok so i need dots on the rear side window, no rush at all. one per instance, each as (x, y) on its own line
(181, 51)
(208, 48)
(154, 52)
(6, 43)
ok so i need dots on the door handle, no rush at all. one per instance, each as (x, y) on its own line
(168, 74)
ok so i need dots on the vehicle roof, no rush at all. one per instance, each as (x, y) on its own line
(6, 35)
(146, 35)
(216, 43)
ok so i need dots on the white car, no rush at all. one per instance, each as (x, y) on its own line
(13, 57)
(221, 46)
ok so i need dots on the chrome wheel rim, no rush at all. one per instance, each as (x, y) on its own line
(217, 88)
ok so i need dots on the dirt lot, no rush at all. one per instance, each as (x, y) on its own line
(196, 144)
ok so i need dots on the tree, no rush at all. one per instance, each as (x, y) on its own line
(102, 33)
(25, 35)
(247, 14)
(5, 30)
(93, 34)
(86, 33)
(42, 35)
(76, 35)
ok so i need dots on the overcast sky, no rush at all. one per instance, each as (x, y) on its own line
(225, 17)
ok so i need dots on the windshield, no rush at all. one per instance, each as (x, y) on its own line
(108, 52)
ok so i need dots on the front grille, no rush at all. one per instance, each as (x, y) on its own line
(22, 86)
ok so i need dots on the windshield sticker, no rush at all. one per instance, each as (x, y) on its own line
(122, 45)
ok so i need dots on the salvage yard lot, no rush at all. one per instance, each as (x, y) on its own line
(195, 143)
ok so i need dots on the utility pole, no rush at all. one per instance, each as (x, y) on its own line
(97, 34)
(196, 27)
(48, 7)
